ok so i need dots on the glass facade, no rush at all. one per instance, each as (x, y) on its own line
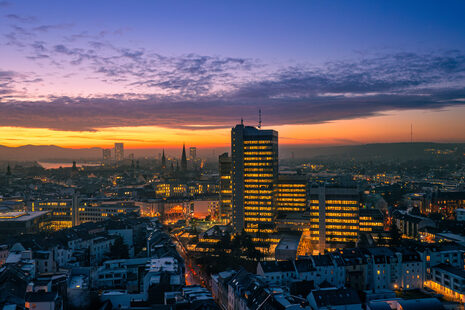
(254, 176)
(225, 201)
(291, 194)
(334, 217)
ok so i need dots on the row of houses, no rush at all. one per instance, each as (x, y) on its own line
(371, 269)
(374, 273)
(241, 290)
(29, 262)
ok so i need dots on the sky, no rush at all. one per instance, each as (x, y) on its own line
(160, 73)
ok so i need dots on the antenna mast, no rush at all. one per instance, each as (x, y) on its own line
(411, 133)
(259, 118)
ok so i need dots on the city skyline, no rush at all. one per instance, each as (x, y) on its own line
(152, 75)
(326, 134)
(232, 155)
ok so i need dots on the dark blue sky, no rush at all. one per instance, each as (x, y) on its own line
(310, 31)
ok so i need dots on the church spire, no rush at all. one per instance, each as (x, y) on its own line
(184, 158)
(163, 160)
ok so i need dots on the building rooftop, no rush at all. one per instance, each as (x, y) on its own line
(335, 297)
(163, 264)
(41, 254)
(379, 305)
(380, 251)
(421, 304)
(41, 296)
(277, 266)
(409, 255)
(288, 242)
(437, 196)
(322, 260)
(20, 216)
(252, 131)
(304, 265)
(286, 176)
(452, 237)
(451, 269)
(411, 218)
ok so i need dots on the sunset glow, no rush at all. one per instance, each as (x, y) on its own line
(444, 126)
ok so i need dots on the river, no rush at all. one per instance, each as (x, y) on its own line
(48, 165)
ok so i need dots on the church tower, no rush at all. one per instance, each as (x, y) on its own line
(183, 159)
(163, 160)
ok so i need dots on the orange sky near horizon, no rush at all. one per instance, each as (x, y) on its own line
(446, 125)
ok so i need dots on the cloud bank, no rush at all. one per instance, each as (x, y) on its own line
(193, 91)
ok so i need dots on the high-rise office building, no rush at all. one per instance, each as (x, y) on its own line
(65, 213)
(106, 156)
(334, 217)
(291, 194)
(225, 201)
(254, 156)
(119, 151)
(371, 221)
(192, 153)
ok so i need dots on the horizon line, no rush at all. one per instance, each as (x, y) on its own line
(226, 145)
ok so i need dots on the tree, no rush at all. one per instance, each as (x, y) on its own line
(396, 236)
(118, 249)
(436, 217)
(225, 242)
(243, 245)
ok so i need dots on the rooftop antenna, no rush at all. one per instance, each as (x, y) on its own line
(411, 133)
(242, 121)
(259, 118)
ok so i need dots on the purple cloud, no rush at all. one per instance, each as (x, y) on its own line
(291, 96)
(203, 91)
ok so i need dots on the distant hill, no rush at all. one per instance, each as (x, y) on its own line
(375, 151)
(379, 151)
(48, 152)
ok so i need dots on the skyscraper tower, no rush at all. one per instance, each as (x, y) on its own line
(225, 202)
(119, 151)
(254, 173)
(192, 153)
(183, 159)
(106, 156)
